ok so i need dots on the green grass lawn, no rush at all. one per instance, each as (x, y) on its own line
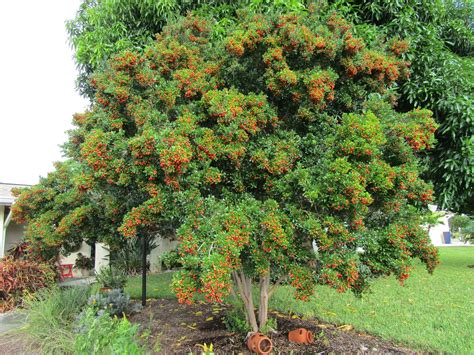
(428, 313)
(158, 286)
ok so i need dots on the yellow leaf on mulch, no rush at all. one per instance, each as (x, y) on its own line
(345, 327)
(209, 319)
(198, 313)
(323, 326)
(279, 314)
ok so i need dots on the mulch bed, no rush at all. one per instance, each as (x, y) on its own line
(171, 328)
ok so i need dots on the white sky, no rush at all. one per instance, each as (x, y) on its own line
(37, 93)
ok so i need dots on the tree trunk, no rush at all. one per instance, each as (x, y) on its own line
(264, 295)
(244, 285)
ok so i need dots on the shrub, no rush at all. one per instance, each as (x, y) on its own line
(462, 227)
(170, 260)
(111, 278)
(235, 321)
(105, 335)
(129, 257)
(19, 250)
(83, 262)
(115, 302)
(50, 316)
(19, 278)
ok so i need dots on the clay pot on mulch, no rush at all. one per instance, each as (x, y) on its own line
(260, 344)
(105, 289)
(301, 336)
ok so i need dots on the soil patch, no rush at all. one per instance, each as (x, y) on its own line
(171, 328)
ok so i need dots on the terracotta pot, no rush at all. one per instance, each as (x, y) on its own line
(301, 336)
(260, 344)
(105, 289)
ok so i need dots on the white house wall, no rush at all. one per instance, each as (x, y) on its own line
(164, 246)
(101, 257)
(85, 250)
(436, 232)
(14, 235)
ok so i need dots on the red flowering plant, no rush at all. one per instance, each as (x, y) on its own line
(273, 153)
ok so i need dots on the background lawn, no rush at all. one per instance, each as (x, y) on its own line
(428, 313)
(157, 286)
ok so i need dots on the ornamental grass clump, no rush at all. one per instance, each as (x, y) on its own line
(50, 317)
(274, 154)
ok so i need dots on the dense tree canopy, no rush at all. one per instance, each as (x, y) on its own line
(274, 152)
(103, 28)
(441, 38)
(440, 49)
(61, 213)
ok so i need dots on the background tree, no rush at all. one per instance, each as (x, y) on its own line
(462, 227)
(257, 145)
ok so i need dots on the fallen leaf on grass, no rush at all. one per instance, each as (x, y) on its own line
(294, 316)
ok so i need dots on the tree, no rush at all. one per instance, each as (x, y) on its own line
(256, 146)
(60, 215)
(441, 51)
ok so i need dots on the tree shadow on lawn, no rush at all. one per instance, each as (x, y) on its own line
(169, 327)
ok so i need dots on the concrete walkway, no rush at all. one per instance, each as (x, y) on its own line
(83, 281)
(11, 320)
(14, 319)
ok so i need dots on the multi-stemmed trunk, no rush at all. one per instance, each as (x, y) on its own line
(244, 287)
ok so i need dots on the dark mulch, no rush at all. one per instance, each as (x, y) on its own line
(169, 327)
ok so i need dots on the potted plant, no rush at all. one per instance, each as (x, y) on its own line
(111, 278)
(84, 263)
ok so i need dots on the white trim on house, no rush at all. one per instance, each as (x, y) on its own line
(2, 231)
